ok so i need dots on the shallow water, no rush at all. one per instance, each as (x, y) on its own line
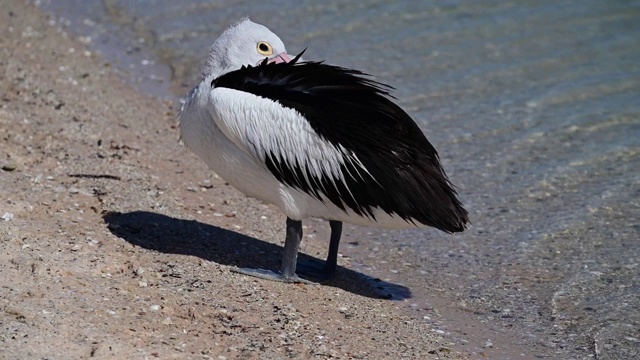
(535, 109)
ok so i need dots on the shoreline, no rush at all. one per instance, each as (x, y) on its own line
(121, 241)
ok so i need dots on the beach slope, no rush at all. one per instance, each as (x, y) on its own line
(117, 242)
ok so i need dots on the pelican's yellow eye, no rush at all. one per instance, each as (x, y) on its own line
(264, 48)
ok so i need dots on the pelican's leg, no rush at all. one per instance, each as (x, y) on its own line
(332, 259)
(324, 271)
(289, 257)
(291, 245)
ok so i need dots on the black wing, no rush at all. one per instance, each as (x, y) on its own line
(346, 108)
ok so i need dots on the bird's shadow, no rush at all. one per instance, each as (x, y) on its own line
(169, 235)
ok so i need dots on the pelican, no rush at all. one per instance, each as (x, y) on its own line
(316, 140)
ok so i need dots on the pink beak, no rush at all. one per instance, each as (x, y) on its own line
(280, 58)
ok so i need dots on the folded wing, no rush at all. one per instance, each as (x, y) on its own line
(335, 134)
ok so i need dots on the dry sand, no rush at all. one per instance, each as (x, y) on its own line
(117, 242)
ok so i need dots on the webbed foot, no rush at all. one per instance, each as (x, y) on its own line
(271, 275)
(315, 270)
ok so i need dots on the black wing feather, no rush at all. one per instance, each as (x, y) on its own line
(346, 108)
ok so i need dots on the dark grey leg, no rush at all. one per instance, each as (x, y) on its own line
(291, 245)
(334, 244)
(289, 257)
(317, 270)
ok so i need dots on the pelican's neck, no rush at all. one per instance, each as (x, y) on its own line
(194, 115)
(217, 71)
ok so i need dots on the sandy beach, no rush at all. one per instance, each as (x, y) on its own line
(116, 242)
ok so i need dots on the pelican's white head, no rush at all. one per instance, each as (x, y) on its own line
(243, 43)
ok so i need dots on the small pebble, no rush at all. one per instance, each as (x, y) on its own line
(7, 216)
(154, 307)
(9, 167)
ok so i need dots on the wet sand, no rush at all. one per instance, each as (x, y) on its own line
(116, 242)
